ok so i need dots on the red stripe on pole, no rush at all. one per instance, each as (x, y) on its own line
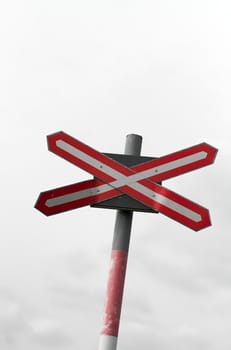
(114, 293)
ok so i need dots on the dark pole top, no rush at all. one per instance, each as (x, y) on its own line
(133, 144)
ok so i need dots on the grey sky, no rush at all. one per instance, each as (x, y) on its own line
(99, 71)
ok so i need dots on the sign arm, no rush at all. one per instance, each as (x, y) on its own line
(93, 191)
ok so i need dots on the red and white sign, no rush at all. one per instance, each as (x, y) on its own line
(139, 182)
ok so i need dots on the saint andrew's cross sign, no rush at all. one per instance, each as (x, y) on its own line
(112, 179)
(126, 182)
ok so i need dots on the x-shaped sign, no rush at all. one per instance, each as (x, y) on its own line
(138, 182)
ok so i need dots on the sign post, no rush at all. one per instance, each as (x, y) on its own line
(119, 255)
(129, 183)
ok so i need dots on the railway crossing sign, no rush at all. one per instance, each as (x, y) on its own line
(141, 182)
(128, 182)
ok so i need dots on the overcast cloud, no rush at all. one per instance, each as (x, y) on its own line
(100, 70)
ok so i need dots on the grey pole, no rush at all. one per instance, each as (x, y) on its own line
(120, 248)
(123, 224)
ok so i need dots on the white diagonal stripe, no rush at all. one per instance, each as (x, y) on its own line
(66, 198)
(136, 186)
(89, 160)
(166, 202)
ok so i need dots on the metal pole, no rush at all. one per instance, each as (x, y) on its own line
(119, 255)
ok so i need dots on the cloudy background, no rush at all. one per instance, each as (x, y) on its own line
(100, 70)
